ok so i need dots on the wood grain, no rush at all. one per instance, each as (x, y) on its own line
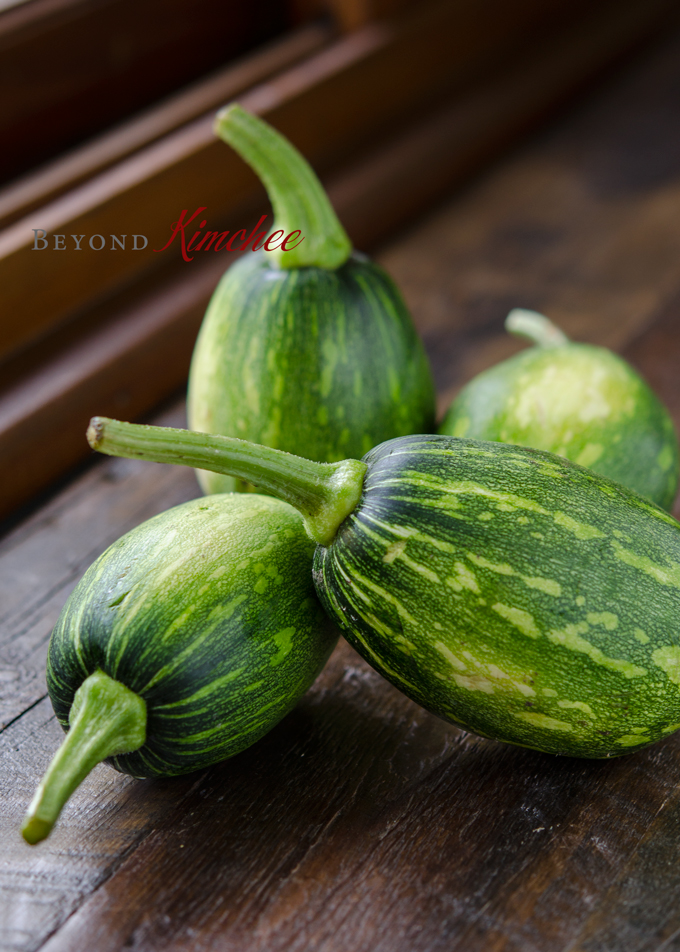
(387, 188)
(332, 104)
(45, 184)
(362, 822)
(352, 14)
(70, 68)
(125, 367)
(111, 812)
(585, 232)
(139, 354)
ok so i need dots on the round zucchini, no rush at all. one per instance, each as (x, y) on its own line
(310, 350)
(505, 589)
(183, 644)
(577, 400)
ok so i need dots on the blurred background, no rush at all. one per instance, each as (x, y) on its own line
(106, 109)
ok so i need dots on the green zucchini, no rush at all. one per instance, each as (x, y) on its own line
(310, 350)
(577, 400)
(505, 589)
(184, 643)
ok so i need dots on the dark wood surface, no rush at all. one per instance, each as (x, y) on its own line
(346, 98)
(53, 178)
(361, 822)
(124, 354)
(70, 68)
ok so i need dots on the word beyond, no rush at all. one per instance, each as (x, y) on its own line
(254, 241)
(96, 242)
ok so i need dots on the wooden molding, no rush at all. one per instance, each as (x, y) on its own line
(48, 182)
(332, 105)
(70, 68)
(125, 367)
(143, 346)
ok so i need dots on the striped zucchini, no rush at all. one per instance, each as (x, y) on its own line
(184, 643)
(577, 400)
(505, 589)
(311, 350)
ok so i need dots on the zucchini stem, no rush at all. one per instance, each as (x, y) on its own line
(324, 493)
(534, 327)
(297, 196)
(106, 719)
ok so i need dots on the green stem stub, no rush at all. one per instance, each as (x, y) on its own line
(297, 196)
(534, 327)
(324, 493)
(106, 719)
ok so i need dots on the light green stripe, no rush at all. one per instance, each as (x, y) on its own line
(202, 736)
(547, 585)
(403, 613)
(405, 532)
(570, 638)
(420, 569)
(581, 530)
(380, 662)
(665, 574)
(214, 686)
(223, 613)
(522, 620)
(542, 720)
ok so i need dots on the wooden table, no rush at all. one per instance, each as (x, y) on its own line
(361, 823)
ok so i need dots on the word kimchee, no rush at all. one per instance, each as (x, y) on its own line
(217, 241)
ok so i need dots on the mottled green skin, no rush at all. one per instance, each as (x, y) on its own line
(513, 593)
(206, 611)
(581, 402)
(324, 364)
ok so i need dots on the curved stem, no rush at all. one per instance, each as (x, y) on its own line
(325, 493)
(106, 719)
(297, 196)
(534, 327)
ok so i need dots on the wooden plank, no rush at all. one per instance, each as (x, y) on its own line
(446, 146)
(388, 187)
(328, 105)
(597, 250)
(365, 824)
(70, 68)
(36, 900)
(44, 185)
(126, 367)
